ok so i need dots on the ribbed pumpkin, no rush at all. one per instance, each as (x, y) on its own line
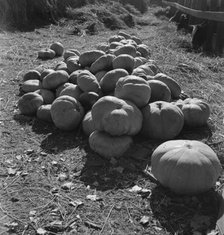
(133, 88)
(185, 166)
(162, 120)
(109, 146)
(116, 116)
(196, 112)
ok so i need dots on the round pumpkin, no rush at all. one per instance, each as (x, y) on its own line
(116, 116)
(136, 39)
(45, 72)
(102, 63)
(61, 66)
(73, 76)
(55, 79)
(88, 82)
(73, 64)
(71, 90)
(66, 113)
(31, 85)
(159, 91)
(143, 69)
(115, 38)
(44, 113)
(144, 50)
(133, 88)
(125, 49)
(32, 75)
(124, 61)
(185, 166)
(99, 75)
(48, 95)
(109, 146)
(124, 34)
(196, 112)
(45, 54)
(88, 57)
(109, 80)
(58, 48)
(88, 124)
(88, 99)
(70, 52)
(29, 103)
(170, 82)
(162, 120)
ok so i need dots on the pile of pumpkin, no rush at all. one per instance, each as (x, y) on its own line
(116, 92)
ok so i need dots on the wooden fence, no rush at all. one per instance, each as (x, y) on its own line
(215, 31)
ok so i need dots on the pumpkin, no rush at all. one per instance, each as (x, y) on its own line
(102, 47)
(170, 82)
(115, 38)
(109, 80)
(66, 113)
(61, 66)
(88, 82)
(45, 54)
(185, 166)
(45, 73)
(32, 75)
(124, 61)
(73, 64)
(144, 50)
(70, 52)
(88, 99)
(133, 88)
(73, 76)
(196, 112)
(48, 95)
(116, 116)
(114, 45)
(126, 49)
(159, 91)
(143, 69)
(109, 146)
(102, 63)
(138, 62)
(88, 57)
(136, 39)
(31, 85)
(71, 90)
(99, 75)
(44, 113)
(55, 79)
(58, 48)
(129, 42)
(88, 124)
(29, 103)
(162, 120)
(124, 34)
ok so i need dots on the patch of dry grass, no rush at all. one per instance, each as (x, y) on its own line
(43, 158)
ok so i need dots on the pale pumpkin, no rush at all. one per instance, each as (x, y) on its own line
(196, 111)
(185, 166)
(171, 83)
(109, 80)
(88, 124)
(29, 103)
(133, 88)
(55, 79)
(66, 113)
(31, 85)
(88, 82)
(88, 57)
(109, 146)
(116, 116)
(127, 49)
(159, 91)
(32, 75)
(124, 61)
(162, 120)
(44, 113)
(102, 63)
(58, 48)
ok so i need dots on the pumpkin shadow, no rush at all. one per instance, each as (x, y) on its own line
(104, 174)
(183, 213)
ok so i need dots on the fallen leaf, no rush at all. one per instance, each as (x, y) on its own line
(11, 171)
(135, 189)
(55, 226)
(76, 203)
(93, 197)
(41, 231)
(144, 220)
(92, 225)
(67, 186)
(62, 177)
(11, 226)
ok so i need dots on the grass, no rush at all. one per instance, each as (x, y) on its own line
(37, 159)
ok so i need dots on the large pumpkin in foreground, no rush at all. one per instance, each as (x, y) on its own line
(162, 120)
(185, 166)
(66, 113)
(116, 116)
